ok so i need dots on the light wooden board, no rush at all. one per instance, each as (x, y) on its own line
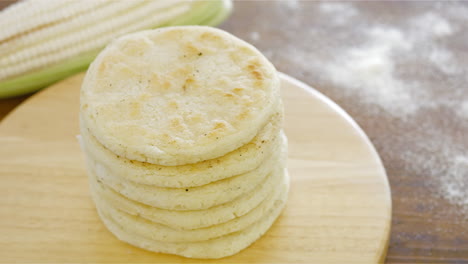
(339, 209)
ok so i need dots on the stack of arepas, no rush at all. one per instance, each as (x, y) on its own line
(182, 131)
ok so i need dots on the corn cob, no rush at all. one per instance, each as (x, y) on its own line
(44, 42)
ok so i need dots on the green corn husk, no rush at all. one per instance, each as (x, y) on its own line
(209, 13)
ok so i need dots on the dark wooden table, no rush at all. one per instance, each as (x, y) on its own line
(401, 70)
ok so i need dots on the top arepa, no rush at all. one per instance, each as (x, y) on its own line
(178, 95)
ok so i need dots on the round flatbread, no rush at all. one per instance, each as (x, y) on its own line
(188, 220)
(159, 232)
(178, 95)
(209, 249)
(196, 198)
(239, 161)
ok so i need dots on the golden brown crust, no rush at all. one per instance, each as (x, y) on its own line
(178, 95)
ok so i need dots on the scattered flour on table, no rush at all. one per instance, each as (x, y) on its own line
(457, 189)
(432, 24)
(339, 13)
(369, 70)
(290, 4)
(428, 28)
(374, 66)
(444, 60)
(254, 36)
(445, 164)
(463, 112)
(385, 66)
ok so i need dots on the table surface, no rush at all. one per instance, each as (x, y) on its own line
(400, 69)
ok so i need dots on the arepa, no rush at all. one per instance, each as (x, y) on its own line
(163, 233)
(236, 162)
(210, 249)
(178, 95)
(182, 132)
(193, 219)
(192, 198)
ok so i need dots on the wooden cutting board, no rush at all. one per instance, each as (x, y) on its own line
(339, 209)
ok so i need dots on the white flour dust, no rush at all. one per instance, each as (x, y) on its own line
(456, 189)
(339, 13)
(290, 4)
(404, 68)
(463, 111)
(445, 164)
(444, 60)
(431, 24)
(369, 70)
(371, 62)
(254, 36)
